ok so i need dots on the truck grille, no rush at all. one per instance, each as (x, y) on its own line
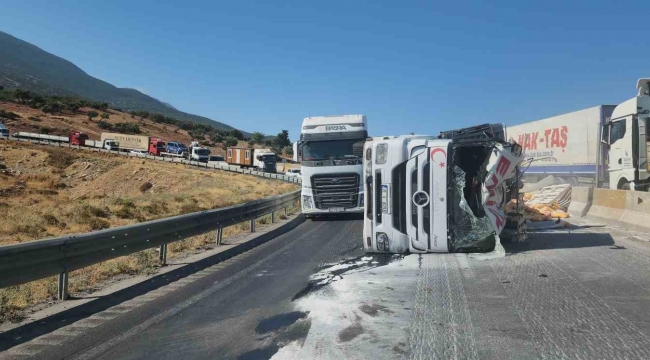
(335, 190)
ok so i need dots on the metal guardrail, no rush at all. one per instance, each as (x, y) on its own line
(281, 177)
(25, 262)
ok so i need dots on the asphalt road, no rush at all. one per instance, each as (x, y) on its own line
(582, 293)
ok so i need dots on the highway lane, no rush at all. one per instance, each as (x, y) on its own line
(581, 292)
(218, 315)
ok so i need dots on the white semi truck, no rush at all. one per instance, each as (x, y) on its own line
(606, 145)
(438, 193)
(330, 152)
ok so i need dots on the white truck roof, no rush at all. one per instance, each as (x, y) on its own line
(316, 124)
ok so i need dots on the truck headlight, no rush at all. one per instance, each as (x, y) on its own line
(382, 153)
(383, 244)
(307, 202)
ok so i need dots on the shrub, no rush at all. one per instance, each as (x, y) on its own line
(85, 214)
(35, 118)
(98, 224)
(92, 114)
(60, 158)
(146, 186)
(44, 130)
(103, 125)
(126, 212)
(190, 208)
(127, 128)
(104, 116)
(124, 202)
(155, 208)
(229, 141)
(50, 219)
(9, 115)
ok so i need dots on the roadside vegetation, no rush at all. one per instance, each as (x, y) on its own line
(47, 192)
(23, 110)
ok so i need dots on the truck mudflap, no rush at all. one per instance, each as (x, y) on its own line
(477, 216)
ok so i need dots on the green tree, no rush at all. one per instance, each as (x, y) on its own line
(288, 150)
(216, 137)
(104, 116)
(256, 138)
(22, 95)
(92, 114)
(229, 141)
(47, 109)
(237, 134)
(282, 139)
(74, 107)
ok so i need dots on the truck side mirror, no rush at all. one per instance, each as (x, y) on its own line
(297, 151)
(604, 134)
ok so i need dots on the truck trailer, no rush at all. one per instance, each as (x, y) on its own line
(330, 152)
(603, 146)
(152, 145)
(566, 146)
(75, 137)
(260, 159)
(442, 193)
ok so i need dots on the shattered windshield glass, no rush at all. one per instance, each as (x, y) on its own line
(469, 232)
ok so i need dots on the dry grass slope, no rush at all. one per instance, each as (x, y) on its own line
(46, 192)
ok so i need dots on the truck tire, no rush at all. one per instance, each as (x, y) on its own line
(623, 184)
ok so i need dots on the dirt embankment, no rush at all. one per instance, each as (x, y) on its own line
(47, 191)
(34, 120)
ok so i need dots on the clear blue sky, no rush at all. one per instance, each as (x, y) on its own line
(409, 66)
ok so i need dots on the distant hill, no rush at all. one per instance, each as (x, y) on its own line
(25, 66)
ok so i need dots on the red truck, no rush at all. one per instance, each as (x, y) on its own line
(156, 146)
(77, 138)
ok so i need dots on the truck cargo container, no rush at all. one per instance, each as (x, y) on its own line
(567, 146)
(605, 145)
(152, 145)
(261, 159)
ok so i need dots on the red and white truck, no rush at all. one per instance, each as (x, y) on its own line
(75, 137)
(152, 145)
(606, 145)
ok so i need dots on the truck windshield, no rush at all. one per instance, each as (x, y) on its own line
(268, 158)
(202, 152)
(330, 149)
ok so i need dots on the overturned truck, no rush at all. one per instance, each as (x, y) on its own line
(442, 193)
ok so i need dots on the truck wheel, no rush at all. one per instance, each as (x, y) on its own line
(623, 184)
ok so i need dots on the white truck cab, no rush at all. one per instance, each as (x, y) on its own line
(330, 152)
(110, 144)
(437, 194)
(384, 165)
(199, 154)
(628, 137)
(265, 160)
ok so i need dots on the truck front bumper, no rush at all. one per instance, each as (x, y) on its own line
(308, 208)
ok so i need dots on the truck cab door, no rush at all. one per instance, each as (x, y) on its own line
(621, 164)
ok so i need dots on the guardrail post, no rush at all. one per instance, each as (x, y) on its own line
(272, 217)
(163, 254)
(63, 286)
(219, 236)
(253, 225)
